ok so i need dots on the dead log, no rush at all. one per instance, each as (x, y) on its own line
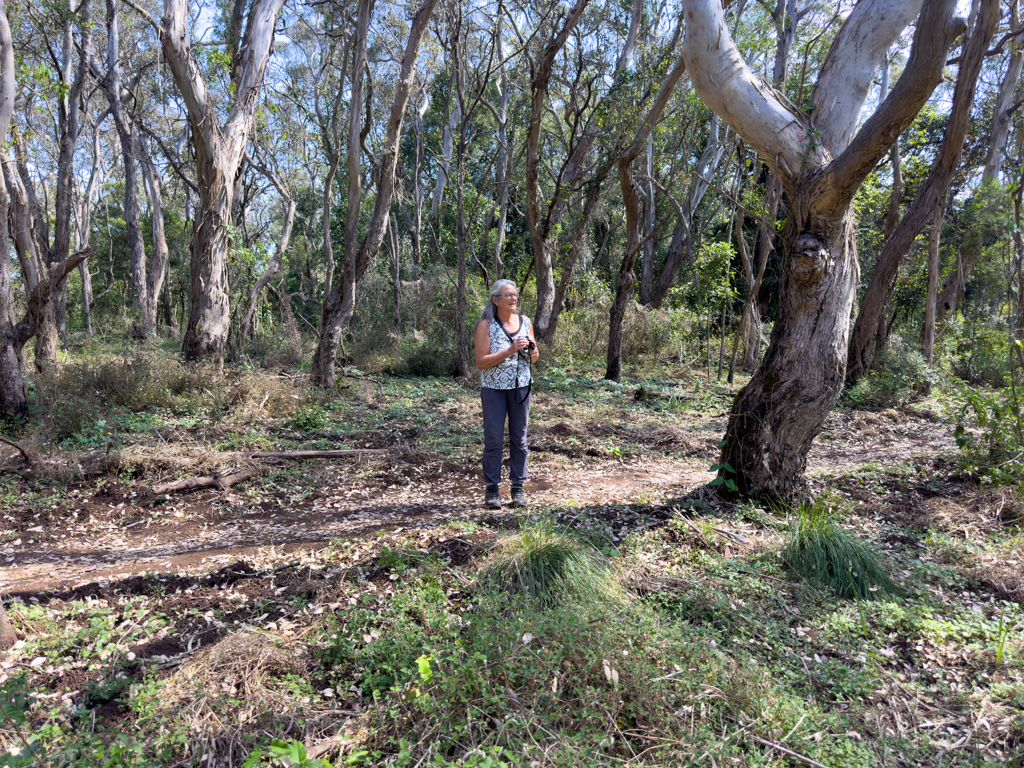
(210, 481)
(298, 455)
(218, 480)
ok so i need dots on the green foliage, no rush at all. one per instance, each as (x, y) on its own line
(821, 551)
(77, 399)
(548, 566)
(425, 344)
(900, 375)
(276, 349)
(283, 754)
(990, 434)
(310, 418)
(717, 280)
(982, 352)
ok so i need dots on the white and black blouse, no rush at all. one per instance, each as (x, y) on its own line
(513, 371)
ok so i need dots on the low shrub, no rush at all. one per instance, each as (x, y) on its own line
(75, 396)
(277, 350)
(990, 435)
(982, 354)
(899, 376)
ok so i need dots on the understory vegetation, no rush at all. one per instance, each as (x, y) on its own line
(366, 611)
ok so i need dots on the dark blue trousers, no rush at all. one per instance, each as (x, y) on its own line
(499, 404)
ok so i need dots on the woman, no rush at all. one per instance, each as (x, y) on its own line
(505, 350)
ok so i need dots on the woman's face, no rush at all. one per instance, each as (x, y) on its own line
(507, 299)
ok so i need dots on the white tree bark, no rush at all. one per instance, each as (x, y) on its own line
(340, 300)
(160, 257)
(1002, 112)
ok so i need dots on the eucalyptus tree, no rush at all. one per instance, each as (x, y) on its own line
(12, 384)
(56, 44)
(83, 221)
(821, 159)
(339, 298)
(110, 81)
(631, 203)
(218, 150)
(14, 333)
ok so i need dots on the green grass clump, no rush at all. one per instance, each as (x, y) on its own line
(823, 552)
(549, 566)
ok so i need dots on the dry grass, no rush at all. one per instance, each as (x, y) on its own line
(234, 688)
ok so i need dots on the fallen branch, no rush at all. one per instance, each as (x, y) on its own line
(297, 455)
(648, 394)
(30, 457)
(215, 480)
(783, 749)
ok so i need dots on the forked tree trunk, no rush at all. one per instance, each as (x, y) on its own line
(339, 302)
(218, 153)
(1003, 110)
(777, 415)
(52, 327)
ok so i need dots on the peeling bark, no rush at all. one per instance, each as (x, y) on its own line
(218, 152)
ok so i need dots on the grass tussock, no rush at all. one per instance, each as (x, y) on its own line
(823, 552)
(548, 566)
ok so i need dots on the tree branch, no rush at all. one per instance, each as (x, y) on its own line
(850, 65)
(937, 28)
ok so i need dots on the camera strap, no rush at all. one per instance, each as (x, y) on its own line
(519, 361)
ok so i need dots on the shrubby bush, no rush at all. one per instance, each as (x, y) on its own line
(981, 353)
(900, 375)
(425, 344)
(75, 395)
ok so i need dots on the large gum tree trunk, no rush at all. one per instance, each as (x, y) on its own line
(209, 313)
(778, 414)
(218, 153)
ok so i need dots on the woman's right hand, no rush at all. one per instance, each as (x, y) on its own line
(518, 345)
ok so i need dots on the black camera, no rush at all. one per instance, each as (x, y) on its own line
(531, 346)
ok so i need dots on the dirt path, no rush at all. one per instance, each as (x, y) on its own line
(121, 530)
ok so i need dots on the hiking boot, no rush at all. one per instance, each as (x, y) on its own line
(519, 497)
(492, 499)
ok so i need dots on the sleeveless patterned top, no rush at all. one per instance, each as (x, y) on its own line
(514, 370)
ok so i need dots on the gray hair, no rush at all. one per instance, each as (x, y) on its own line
(496, 289)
